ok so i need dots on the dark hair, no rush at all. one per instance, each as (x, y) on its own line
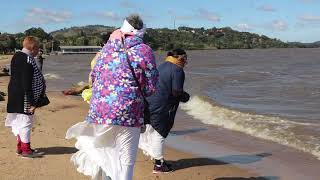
(176, 52)
(135, 21)
(105, 37)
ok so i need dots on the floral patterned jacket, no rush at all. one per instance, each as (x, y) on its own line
(116, 99)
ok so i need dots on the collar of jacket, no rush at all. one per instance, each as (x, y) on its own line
(175, 61)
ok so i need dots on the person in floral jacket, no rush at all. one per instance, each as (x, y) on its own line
(108, 139)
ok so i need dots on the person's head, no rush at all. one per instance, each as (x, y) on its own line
(40, 52)
(32, 44)
(135, 21)
(180, 54)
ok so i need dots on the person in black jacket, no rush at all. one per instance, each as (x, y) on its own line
(163, 106)
(39, 60)
(24, 90)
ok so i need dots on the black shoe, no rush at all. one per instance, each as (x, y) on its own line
(163, 168)
(31, 154)
(18, 152)
(37, 151)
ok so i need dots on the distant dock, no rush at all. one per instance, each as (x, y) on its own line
(79, 49)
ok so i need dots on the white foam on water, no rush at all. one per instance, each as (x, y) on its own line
(82, 83)
(275, 129)
(51, 76)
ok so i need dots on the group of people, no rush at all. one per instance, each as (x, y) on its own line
(123, 80)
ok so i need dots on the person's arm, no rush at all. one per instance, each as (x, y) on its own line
(92, 65)
(26, 78)
(95, 69)
(178, 78)
(150, 71)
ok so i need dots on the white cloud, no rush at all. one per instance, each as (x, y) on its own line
(44, 16)
(243, 27)
(208, 15)
(108, 15)
(309, 18)
(276, 25)
(279, 25)
(267, 8)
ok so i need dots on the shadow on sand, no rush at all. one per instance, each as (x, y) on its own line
(250, 178)
(58, 150)
(232, 159)
(188, 131)
(194, 162)
(243, 159)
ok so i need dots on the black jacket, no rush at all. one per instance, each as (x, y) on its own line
(26, 84)
(165, 102)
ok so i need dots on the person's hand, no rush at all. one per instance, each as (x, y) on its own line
(32, 109)
(185, 97)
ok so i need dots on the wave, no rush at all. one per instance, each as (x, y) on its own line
(52, 76)
(82, 83)
(275, 129)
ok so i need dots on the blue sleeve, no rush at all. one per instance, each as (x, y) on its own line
(177, 81)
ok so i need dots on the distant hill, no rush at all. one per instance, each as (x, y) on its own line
(84, 35)
(184, 37)
(90, 30)
(317, 43)
(305, 45)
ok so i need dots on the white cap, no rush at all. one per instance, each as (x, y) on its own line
(127, 28)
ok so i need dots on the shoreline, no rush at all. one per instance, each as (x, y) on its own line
(266, 158)
(282, 131)
(48, 135)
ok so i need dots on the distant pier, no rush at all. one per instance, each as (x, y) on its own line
(79, 49)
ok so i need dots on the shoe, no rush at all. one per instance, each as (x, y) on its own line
(163, 168)
(19, 152)
(31, 154)
(28, 152)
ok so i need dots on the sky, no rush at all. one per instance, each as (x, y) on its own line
(287, 20)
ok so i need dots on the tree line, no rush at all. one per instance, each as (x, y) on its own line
(159, 39)
(9, 43)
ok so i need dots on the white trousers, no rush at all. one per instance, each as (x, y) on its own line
(21, 124)
(152, 143)
(105, 149)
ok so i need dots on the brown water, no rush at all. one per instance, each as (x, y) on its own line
(281, 82)
(272, 94)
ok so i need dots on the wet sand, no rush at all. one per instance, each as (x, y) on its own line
(268, 159)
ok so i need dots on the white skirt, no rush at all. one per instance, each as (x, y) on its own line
(21, 124)
(151, 143)
(105, 150)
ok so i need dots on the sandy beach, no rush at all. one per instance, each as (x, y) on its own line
(4, 59)
(48, 135)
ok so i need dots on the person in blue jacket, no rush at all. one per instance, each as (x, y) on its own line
(163, 106)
